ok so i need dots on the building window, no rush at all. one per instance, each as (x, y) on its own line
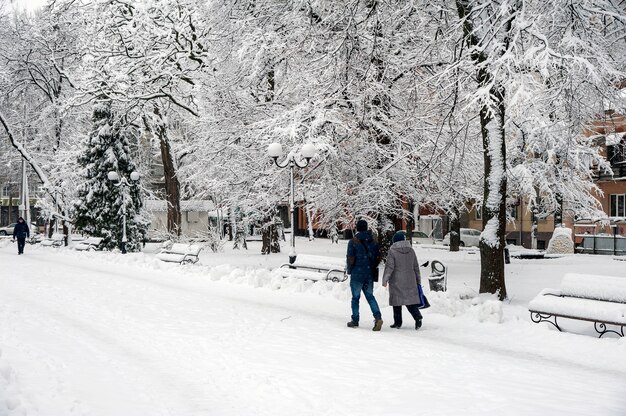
(618, 206)
(513, 213)
(616, 153)
(6, 191)
(478, 213)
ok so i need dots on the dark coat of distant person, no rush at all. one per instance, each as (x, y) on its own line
(21, 230)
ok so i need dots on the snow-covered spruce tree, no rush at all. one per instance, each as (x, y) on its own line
(100, 202)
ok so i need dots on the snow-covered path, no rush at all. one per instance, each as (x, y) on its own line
(90, 337)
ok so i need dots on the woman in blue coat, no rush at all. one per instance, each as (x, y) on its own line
(21, 233)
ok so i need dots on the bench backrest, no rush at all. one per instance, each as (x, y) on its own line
(180, 248)
(305, 260)
(93, 240)
(57, 237)
(609, 288)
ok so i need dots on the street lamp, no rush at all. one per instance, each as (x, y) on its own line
(275, 150)
(123, 182)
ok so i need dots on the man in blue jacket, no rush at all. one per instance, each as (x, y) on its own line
(362, 258)
(21, 232)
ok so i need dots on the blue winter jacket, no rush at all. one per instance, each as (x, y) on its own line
(21, 230)
(359, 264)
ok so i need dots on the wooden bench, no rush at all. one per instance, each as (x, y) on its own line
(315, 268)
(180, 253)
(57, 240)
(92, 243)
(593, 298)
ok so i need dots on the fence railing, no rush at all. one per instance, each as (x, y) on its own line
(602, 244)
(619, 171)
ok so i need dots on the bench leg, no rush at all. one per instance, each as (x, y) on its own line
(537, 317)
(601, 329)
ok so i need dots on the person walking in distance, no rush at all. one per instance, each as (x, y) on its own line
(21, 233)
(362, 257)
(402, 275)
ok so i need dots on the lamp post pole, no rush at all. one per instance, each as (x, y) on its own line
(292, 207)
(124, 238)
(275, 150)
(123, 183)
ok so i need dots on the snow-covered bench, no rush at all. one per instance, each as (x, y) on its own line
(593, 298)
(315, 268)
(180, 253)
(57, 240)
(92, 243)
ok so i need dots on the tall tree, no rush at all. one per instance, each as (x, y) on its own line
(147, 58)
(102, 203)
(37, 59)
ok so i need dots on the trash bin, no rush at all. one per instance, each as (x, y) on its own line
(437, 279)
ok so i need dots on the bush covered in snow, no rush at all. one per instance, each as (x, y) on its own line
(561, 242)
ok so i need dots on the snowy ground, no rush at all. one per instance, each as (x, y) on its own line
(103, 334)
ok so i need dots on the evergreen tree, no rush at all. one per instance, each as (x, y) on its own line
(100, 204)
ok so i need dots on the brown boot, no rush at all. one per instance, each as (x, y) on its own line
(378, 324)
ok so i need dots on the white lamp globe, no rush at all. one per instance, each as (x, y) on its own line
(275, 150)
(308, 150)
(113, 176)
(134, 176)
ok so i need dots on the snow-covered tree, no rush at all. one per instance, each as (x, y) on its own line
(37, 59)
(534, 74)
(146, 56)
(101, 203)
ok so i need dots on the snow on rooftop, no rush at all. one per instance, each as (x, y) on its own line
(613, 139)
(159, 205)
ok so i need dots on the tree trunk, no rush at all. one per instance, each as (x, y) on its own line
(533, 230)
(386, 230)
(172, 190)
(494, 206)
(492, 120)
(270, 237)
(240, 237)
(266, 238)
(274, 238)
(172, 185)
(455, 229)
(309, 220)
(558, 213)
(410, 222)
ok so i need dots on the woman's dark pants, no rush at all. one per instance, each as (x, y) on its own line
(413, 310)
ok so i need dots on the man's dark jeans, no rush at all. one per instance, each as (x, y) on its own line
(21, 242)
(368, 289)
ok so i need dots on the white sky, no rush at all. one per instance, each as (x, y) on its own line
(30, 4)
